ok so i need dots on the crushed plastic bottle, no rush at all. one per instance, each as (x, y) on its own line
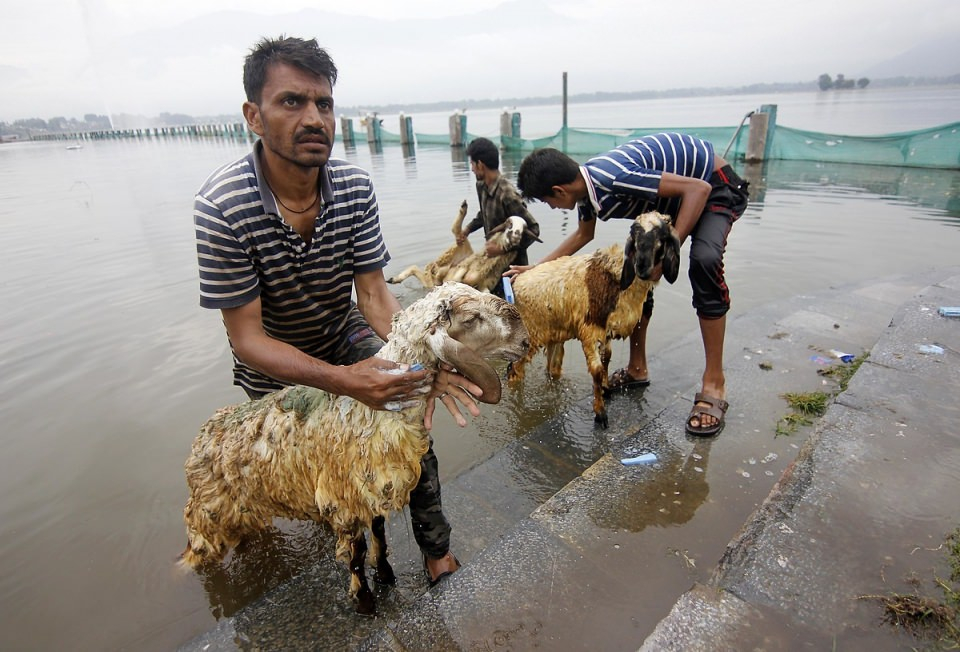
(645, 458)
(931, 349)
(949, 311)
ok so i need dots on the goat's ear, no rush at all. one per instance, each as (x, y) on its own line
(671, 255)
(629, 267)
(442, 316)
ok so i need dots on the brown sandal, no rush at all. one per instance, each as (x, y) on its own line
(716, 408)
(622, 380)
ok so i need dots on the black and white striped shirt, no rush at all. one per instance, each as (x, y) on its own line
(245, 250)
(623, 182)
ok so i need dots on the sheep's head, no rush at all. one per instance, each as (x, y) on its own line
(652, 241)
(513, 229)
(471, 327)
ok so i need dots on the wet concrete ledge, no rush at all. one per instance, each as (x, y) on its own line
(563, 547)
(881, 459)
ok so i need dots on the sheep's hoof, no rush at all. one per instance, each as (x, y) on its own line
(383, 575)
(601, 420)
(366, 604)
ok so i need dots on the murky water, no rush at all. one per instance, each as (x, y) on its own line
(109, 366)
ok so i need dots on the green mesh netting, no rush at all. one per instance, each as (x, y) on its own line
(937, 147)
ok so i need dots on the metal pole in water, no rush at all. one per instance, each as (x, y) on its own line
(564, 111)
(564, 100)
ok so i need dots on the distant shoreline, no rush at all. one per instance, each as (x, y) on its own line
(23, 127)
(607, 96)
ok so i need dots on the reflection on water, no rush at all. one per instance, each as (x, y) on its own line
(264, 562)
(662, 494)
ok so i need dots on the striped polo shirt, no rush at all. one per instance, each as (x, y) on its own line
(245, 250)
(623, 182)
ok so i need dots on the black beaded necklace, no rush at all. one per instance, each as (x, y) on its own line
(309, 206)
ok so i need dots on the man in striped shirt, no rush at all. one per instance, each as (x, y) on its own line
(675, 174)
(284, 236)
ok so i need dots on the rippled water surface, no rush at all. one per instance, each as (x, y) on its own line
(109, 366)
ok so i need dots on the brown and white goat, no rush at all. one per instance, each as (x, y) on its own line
(303, 453)
(594, 298)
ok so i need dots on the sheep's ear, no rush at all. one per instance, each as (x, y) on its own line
(442, 316)
(629, 266)
(475, 368)
(671, 254)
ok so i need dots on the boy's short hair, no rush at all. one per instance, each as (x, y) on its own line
(543, 169)
(484, 151)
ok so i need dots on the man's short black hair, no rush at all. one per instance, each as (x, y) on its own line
(305, 55)
(484, 151)
(543, 169)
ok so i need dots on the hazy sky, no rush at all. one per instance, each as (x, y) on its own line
(72, 57)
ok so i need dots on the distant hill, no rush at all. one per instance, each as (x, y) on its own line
(939, 58)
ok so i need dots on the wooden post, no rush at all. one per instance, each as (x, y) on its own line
(757, 137)
(406, 130)
(458, 129)
(372, 122)
(346, 131)
(510, 123)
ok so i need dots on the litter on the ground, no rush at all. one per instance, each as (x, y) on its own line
(949, 311)
(645, 458)
(931, 349)
(843, 357)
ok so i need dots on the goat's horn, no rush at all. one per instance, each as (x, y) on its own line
(475, 368)
(531, 234)
(498, 228)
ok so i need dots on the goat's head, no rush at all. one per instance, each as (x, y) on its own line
(471, 327)
(652, 241)
(514, 228)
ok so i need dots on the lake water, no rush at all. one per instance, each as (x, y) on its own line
(108, 366)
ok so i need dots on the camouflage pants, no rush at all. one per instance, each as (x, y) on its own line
(430, 527)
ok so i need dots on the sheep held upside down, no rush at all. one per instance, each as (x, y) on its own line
(461, 264)
(594, 298)
(302, 453)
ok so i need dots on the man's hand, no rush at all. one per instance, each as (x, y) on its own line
(462, 237)
(450, 387)
(516, 270)
(385, 385)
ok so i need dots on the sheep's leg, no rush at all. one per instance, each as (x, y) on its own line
(554, 359)
(413, 270)
(366, 605)
(592, 347)
(517, 369)
(383, 573)
(605, 358)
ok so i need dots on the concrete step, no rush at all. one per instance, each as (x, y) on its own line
(564, 547)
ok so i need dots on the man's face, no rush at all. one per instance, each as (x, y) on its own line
(477, 169)
(294, 118)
